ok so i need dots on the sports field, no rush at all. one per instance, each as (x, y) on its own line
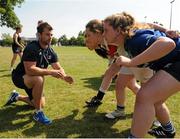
(65, 103)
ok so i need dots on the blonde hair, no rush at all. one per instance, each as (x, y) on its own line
(95, 26)
(125, 22)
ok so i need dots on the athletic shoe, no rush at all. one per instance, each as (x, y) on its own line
(40, 117)
(159, 132)
(12, 98)
(94, 102)
(115, 114)
(156, 123)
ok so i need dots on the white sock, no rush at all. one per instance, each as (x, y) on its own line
(102, 90)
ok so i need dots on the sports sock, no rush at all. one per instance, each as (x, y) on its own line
(168, 127)
(100, 95)
(120, 108)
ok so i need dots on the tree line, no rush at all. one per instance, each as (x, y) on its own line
(73, 41)
(7, 40)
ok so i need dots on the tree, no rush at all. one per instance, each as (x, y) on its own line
(80, 39)
(63, 40)
(7, 40)
(54, 41)
(72, 41)
(7, 16)
(81, 33)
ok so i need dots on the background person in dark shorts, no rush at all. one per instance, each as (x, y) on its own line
(17, 46)
(30, 72)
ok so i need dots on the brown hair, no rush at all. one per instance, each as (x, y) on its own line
(18, 28)
(42, 26)
(125, 22)
(40, 21)
(95, 25)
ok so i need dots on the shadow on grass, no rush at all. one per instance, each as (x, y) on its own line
(125, 133)
(6, 75)
(91, 125)
(95, 82)
(10, 117)
(3, 70)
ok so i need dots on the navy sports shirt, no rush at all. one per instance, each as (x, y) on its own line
(142, 39)
(34, 53)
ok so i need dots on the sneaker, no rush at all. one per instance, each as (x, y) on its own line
(41, 117)
(115, 114)
(156, 123)
(12, 98)
(159, 132)
(94, 102)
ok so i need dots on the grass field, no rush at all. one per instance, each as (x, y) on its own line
(65, 103)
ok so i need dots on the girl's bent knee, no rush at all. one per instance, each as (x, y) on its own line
(143, 97)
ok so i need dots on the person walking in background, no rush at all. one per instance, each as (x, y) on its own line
(153, 49)
(31, 71)
(17, 46)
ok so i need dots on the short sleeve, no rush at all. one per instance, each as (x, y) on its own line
(54, 57)
(30, 54)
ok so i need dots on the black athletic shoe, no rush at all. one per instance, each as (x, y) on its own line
(94, 102)
(159, 132)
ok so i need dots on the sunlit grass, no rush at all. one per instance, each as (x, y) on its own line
(65, 103)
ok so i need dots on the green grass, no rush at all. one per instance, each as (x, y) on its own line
(65, 103)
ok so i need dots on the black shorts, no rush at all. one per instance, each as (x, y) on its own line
(18, 81)
(173, 69)
(16, 49)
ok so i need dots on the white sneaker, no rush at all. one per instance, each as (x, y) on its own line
(115, 114)
(156, 123)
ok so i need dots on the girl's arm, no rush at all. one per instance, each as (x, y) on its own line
(108, 76)
(169, 33)
(158, 49)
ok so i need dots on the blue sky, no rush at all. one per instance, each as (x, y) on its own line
(70, 16)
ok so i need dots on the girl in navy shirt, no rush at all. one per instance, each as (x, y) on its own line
(153, 49)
